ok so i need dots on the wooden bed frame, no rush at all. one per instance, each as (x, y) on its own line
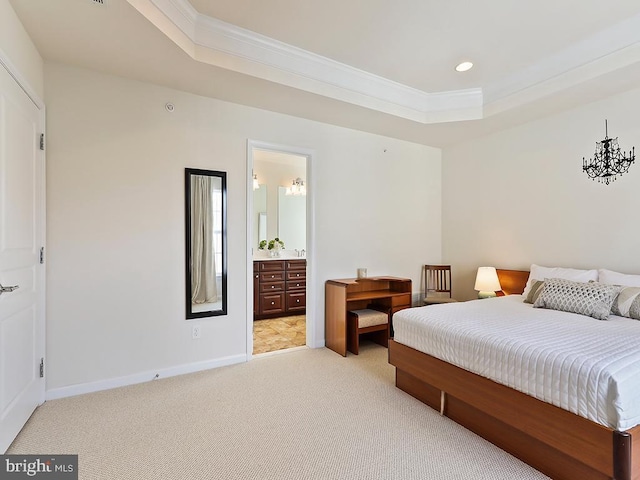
(559, 443)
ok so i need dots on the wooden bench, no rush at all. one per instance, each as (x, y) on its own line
(374, 323)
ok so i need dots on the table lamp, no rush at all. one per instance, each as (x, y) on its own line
(487, 282)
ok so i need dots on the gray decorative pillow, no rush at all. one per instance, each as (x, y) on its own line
(535, 291)
(592, 299)
(627, 304)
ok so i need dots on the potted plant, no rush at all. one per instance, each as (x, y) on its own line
(274, 246)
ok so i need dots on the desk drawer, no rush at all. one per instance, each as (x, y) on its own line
(271, 303)
(401, 300)
(266, 287)
(296, 301)
(271, 276)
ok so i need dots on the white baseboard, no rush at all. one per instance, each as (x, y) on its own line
(142, 377)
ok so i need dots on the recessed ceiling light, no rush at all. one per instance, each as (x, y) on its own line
(464, 66)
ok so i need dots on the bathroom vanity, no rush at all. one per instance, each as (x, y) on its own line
(279, 287)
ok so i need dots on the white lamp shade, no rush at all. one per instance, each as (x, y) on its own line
(487, 280)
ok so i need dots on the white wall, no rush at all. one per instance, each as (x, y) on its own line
(116, 162)
(520, 196)
(16, 45)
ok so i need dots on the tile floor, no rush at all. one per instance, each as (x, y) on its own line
(279, 333)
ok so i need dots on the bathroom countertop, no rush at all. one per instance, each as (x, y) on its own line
(260, 258)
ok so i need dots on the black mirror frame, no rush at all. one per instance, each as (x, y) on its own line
(188, 173)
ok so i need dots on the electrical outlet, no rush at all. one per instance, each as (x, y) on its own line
(195, 333)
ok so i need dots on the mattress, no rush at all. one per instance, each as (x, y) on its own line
(586, 366)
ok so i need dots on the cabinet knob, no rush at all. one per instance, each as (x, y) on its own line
(273, 303)
(297, 274)
(273, 276)
(298, 300)
(273, 286)
(297, 284)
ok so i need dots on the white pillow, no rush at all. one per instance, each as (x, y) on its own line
(540, 273)
(614, 278)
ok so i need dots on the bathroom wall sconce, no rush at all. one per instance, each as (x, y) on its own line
(296, 188)
(255, 182)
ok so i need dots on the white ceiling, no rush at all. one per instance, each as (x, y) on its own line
(374, 65)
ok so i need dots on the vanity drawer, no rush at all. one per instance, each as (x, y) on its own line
(271, 276)
(272, 265)
(296, 285)
(272, 303)
(266, 287)
(296, 301)
(296, 264)
(296, 274)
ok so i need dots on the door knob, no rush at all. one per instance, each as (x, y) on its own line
(7, 289)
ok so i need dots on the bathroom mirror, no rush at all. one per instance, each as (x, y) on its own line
(205, 229)
(292, 219)
(260, 215)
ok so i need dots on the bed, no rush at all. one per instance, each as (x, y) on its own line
(594, 441)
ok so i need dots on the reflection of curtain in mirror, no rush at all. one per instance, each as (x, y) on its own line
(203, 269)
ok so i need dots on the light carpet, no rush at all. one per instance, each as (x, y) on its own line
(304, 414)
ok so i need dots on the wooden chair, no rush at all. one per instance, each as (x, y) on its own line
(437, 284)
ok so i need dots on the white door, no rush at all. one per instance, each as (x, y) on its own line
(21, 238)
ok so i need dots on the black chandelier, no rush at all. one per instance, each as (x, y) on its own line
(608, 162)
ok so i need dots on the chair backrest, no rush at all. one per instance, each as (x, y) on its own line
(437, 279)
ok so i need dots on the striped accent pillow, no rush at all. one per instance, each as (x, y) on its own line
(628, 303)
(534, 292)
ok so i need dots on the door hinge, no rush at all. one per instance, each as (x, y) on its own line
(42, 141)
(42, 368)
(41, 255)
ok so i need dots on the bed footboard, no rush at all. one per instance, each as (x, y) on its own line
(554, 441)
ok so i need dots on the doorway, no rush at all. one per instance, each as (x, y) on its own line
(279, 249)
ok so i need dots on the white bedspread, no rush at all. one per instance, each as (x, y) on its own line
(586, 366)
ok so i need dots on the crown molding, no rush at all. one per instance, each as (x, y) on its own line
(218, 43)
(597, 55)
(565, 80)
(224, 45)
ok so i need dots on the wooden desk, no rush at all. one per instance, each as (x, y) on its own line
(353, 294)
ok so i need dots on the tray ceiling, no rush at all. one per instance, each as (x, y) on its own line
(373, 65)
